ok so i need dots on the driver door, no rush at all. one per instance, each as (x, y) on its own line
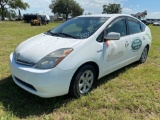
(115, 51)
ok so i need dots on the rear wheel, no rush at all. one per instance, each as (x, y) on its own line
(144, 55)
(83, 81)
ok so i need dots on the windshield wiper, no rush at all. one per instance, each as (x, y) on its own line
(61, 34)
(53, 34)
(67, 35)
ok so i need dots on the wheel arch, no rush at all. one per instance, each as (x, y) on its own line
(95, 65)
(148, 47)
(141, 60)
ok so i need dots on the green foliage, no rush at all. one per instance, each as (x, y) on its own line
(18, 4)
(66, 7)
(131, 93)
(14, 4)
(3, 3)
(4, 11)
(9, 13)
(112, 8)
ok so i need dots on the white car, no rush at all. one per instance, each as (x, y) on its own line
(157, 23)
(72, 56)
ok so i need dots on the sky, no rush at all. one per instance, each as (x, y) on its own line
(95, 6)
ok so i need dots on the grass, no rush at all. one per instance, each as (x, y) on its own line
(130, 93)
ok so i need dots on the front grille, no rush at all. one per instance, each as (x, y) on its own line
(25, 84)
(22, 62)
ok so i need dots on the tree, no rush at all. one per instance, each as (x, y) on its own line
(14, 4)
(112, 8)
(4, 12)
(9, 13)
(76, 10)
(3, 3)
(66, 8)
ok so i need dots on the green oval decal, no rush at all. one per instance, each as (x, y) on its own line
(136, 44)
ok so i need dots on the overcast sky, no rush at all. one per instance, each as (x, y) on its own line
(95, 6)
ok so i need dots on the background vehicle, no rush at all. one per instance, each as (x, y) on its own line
(157, 23)
(39, 20)
(36, 19)
(145, 22)
(28, 17)
(47, 18)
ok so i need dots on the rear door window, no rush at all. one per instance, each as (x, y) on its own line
(134, 26)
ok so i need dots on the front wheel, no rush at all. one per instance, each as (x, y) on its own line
(144, 55)
(83, 81)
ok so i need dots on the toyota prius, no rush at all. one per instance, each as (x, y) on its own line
(72, 56)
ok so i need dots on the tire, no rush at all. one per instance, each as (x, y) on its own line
(144, 55)
(82, 81)
(39, 23)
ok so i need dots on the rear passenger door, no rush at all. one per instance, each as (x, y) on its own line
(137, 37)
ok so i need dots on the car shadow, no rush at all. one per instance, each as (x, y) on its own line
(23, 104)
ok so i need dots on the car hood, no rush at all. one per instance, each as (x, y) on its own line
(37, 47)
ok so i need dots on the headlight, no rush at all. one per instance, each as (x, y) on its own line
(53, 59)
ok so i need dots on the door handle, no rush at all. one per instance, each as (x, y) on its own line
(127, 44)
(144, 38)
(99, 51)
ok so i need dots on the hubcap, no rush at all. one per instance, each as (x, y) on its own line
(144, 54)
(86, 81)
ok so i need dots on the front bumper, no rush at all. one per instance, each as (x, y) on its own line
(43, 83)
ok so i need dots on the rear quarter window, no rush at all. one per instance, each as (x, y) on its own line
(143, 26)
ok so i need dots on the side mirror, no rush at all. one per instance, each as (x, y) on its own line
(112, 36)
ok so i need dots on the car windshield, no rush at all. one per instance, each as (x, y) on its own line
(78, 28)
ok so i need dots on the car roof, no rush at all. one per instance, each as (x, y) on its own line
(105, 15)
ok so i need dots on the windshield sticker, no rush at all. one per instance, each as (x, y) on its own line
(136, 44)
(84, 35)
